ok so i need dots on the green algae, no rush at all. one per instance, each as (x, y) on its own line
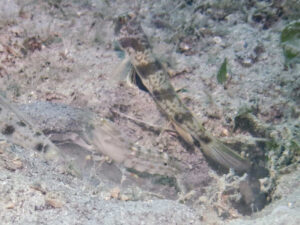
(222, 73)
(290, 41)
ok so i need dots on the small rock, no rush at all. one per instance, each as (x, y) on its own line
(203, 199)
(10, 205)
(88, 158)
(124, 198)
(55, 203)
(114, 193)
(39, 187)
(18, 163)
(13, 165)
(2, 49)
(224, 132)
(184, 47)
(217, 40)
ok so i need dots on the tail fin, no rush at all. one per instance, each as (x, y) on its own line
(224, 156)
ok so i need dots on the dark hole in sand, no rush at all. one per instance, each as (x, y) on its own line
(8, 130)
(39, 147)
(21, 124)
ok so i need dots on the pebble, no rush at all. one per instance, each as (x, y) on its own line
(10, 205)
(55, 203)
(217, 40)
(115, 192)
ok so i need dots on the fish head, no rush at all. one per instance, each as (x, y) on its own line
(122, 21)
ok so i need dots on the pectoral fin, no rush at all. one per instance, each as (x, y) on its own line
(123, 71)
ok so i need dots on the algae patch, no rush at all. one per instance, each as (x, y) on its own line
(222, 73)
(290, 41)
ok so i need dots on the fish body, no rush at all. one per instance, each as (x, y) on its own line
(79, 132)
(154, 77)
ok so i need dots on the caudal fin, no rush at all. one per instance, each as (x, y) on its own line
(224, 156)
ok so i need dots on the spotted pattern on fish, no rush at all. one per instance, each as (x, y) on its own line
(154, 77)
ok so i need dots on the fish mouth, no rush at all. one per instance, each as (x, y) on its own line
(122, 20)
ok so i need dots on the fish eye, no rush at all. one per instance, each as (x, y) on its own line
(125, 17)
